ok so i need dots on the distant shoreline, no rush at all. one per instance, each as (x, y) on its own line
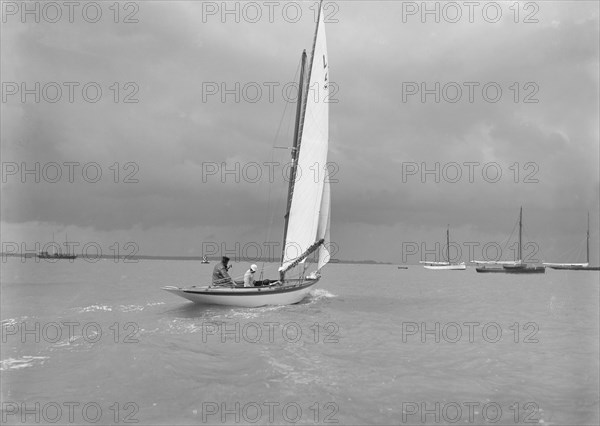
(195, 258)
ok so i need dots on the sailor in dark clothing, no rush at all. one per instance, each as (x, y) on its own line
(220, 275)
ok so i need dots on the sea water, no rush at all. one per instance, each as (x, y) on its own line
(101, 343)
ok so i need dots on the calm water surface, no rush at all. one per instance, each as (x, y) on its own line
(371, 345)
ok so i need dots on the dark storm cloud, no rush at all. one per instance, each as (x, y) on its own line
(558, 133)
(375, 128)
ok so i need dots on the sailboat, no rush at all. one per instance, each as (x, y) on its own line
(204, 260)
(516, 267)
(578, 266)
(307, 217)
(448, 266)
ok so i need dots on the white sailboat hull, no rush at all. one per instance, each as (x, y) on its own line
(247, 297)
(566, 265)
(494, 262)
(451, 267)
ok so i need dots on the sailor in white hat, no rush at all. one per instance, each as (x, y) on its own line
(249, 276)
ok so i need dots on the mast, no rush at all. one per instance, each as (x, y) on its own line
(448, 243)
(294, 153)
(301, 105)
(520, 232)
(587, 257)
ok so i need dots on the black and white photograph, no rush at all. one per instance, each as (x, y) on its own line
(300, 212)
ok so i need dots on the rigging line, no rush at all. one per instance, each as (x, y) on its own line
(503, 244)
(270, 216)
(539, 247)
(574, 251)
(581, 252)
(510, 236)
(266, 270)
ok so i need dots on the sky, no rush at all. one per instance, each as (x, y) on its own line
(156, 123)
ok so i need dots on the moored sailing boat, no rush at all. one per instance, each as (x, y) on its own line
(507, 267)
(307, 218)
(447, 266)
(578, 266)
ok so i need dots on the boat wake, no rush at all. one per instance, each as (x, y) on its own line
(252, 313)
(11, 322)
(24, 362)
(120, 308)
(94, 308)
(316, 296)
(320, 293)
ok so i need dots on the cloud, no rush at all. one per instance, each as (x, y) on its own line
(544, 127)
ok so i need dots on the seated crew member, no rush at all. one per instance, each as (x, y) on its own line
(220, 275)
(249, 276)
(249, 280)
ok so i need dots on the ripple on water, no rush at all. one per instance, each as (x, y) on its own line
(20, 363)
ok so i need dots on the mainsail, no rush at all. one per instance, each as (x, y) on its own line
(308, 222)
(324, 223)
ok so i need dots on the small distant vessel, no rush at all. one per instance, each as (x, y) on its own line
(307, 217)
(46, 255)
(204, 260)
(578, 266)
(446, 266)
(57, 255)
(402, 267)
(507, 267)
